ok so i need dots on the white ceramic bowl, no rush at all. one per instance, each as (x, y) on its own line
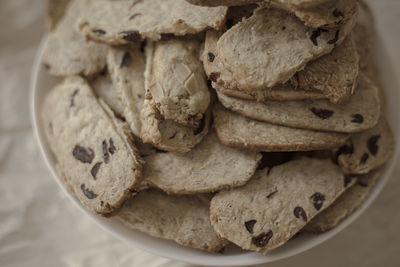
(41, 83)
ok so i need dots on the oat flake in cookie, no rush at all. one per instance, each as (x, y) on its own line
(184, 219)
(121, 22)
(92, 147)
(276, 203)
(291, 45)
(67, 52)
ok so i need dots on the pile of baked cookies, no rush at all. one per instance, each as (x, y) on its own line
(216, 121)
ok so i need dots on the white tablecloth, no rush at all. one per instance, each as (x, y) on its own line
(39, 226)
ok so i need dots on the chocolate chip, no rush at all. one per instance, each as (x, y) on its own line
(262, 239)
(134, 15)
(221, 251)
(250, 225)
(300, 212)
(72, 98)
(364, 158)
(283, 28)
(95, 169)
(105, 152)
(82, 154)
(347, 180)
(112, 147)
(131, 36)
(272, 193)
(99, 31)
(126, 60)
(315, 34)
(372, 144)
(318, 200)
(337, 13)
(89, 194)
(322, 113)
(357, 118)
(335, 39)
(211, 57)
(214, 76)
(362, 184)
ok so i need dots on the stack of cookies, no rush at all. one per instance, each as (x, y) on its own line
(210, 122)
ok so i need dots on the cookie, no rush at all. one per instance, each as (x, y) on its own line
(368, 150)
(291, 45)
(240, 132)
(184, 219)
(284, 92)
(92, 147)
(209, 167)
(169, 135)
(276, 203)
(121, 22)
(332, 76)
(55, 11)
(358, 113)
(104, 88)
(67, 53)
(328, 15)
(126, 66)
(335, 74)
(176, 81)
(222, 79)
(345, 205)
(222, 2)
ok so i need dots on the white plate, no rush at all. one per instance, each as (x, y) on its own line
(41, 83)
